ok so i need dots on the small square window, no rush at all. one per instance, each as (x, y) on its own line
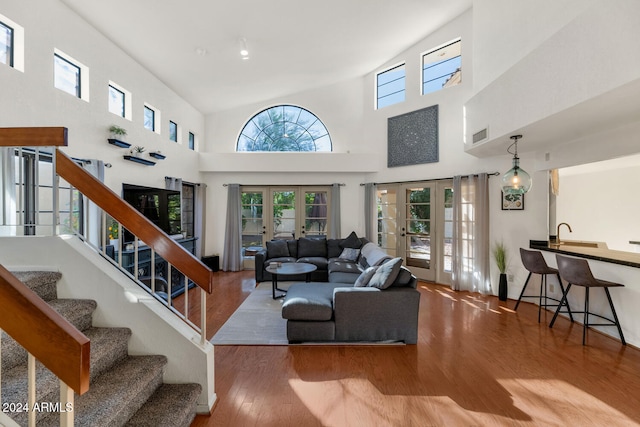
(173, 131)
(6, 44)
(149, 118)
(67, 76)
(442, 67)
(192, 141)
(116, 101)
(390, 86)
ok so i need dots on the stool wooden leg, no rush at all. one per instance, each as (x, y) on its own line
(586, 315)
(526, 282)
(542, 285)
(613, 310)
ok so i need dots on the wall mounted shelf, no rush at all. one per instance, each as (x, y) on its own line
(140, 160)
(119, 143)
(158, 156)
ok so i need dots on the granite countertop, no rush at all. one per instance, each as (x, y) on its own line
(592, 250)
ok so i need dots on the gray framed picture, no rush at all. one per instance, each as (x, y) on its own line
(412, 138)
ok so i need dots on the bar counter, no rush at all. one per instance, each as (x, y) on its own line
(591, 250)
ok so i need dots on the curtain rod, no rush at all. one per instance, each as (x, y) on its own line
(427, 180)
(285, 185)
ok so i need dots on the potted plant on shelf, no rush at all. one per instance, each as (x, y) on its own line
(137, 151)
(117, 132)
(500, 257)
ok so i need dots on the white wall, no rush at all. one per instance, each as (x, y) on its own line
(30, 99)
(588, 197)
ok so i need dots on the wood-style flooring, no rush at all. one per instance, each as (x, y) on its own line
(477, 363)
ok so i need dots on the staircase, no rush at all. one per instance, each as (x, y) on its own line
(124, 390)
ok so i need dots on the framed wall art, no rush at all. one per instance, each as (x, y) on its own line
(512, 202)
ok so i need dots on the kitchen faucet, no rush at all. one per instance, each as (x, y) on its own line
(558, 231)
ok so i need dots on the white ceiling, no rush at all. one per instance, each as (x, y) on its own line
(293, 45)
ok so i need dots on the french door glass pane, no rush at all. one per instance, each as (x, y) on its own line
(418, 242)
(284, 215)
(448, 229)
(387, 220)
(252, 222)
(315, 208)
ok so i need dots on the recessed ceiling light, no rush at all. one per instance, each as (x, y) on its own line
(201, 51)
(244, 51)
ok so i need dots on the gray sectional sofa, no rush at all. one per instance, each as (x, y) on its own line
(358, 293)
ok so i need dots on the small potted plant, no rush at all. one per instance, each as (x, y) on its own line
(117, 132)
(137, 150)
(500, 257)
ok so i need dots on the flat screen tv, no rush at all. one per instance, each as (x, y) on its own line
(160, 206)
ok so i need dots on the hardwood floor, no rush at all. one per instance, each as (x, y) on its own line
(477, 363)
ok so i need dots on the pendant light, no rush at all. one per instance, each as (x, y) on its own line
(516, 180)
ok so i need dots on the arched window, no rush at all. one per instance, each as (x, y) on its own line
(284, 128)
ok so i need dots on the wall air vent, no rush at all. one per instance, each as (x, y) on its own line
(480, 135)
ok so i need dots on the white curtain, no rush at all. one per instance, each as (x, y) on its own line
(471, 253)
(370, 216)
(8, 186)
(232, 257)
(334, 215)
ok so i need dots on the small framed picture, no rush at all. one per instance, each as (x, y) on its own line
(512, 202)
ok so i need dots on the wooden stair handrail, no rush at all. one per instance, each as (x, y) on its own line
(44, 333)
(134, 221)
(33, 137)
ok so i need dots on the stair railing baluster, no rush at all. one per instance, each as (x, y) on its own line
(186, 296)
(203, 316)
(36, 187)
(55, 182)
(0, 365)
(103, 231)
(120, 237)
(169, 283)
(66, 405)
(135, 257)
(31, 380)
(20, 189)
(153, 271)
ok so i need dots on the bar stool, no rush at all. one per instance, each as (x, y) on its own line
(534, 262)
(576, 271)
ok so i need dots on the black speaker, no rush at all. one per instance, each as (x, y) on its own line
(213, 262)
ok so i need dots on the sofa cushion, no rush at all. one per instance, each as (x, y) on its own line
(339, 266)
(308, 247)
(403, 279)
(277, 249)
(293, 248)
(308, 301)
(333, 248)
(374, 254)
(350, 254)
(364, 278)
(352, 241)
(318, 261)
(386, 274)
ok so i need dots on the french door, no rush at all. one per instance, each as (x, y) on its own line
(414, 222)
(283, 213)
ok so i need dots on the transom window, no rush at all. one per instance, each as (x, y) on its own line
(442, 67)
(6, 44)
(390, 86)
(284, 128)
(67, 76)
(173, 131)
(116, 101)
(149, 118)
(192, 141)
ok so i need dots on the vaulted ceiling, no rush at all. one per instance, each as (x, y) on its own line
(193, 46)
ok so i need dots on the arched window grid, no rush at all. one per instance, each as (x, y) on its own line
(284, 128)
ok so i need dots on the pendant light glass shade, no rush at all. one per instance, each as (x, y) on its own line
(516, 180)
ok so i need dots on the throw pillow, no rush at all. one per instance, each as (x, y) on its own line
(277, 249)
(386, 274)
(308, 247)
(352, 241)
(365, 277)
(350, 254)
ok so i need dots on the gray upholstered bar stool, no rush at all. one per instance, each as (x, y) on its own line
(534, 262)
(576, 271)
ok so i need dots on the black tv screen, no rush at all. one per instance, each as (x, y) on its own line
(160, 206)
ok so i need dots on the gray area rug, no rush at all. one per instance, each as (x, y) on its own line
(258, 320)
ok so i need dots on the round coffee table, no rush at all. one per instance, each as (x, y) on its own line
(288, 269)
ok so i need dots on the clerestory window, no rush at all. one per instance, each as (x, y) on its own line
(284, 128)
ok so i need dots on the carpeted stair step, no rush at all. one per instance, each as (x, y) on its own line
(172, 405)
(116, 395)
(108, 347)
(43, 283)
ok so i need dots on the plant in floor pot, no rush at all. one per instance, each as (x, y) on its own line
(500, 257)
